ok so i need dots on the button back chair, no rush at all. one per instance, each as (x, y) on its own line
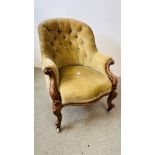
(75, 72)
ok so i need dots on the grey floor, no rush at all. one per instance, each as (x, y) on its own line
(86, 130)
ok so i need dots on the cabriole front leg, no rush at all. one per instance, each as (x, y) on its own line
(55, 96)
(112, 95)
(57, 112)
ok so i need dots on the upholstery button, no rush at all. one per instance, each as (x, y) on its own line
(54, 38)
(76, 36)
(47, 29)
(51, 43)
(80, 29)
(64, 36)
(70, 31)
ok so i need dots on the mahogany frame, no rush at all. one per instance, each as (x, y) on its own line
(56, 97)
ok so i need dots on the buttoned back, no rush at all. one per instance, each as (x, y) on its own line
(66, 41)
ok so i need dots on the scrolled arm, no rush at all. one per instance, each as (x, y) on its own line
(49, 68)
(101, 63)
(112, 77)
(48, 65)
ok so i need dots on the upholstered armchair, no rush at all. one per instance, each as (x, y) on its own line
(75, 72)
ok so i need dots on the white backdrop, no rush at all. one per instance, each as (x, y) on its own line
(103, 16)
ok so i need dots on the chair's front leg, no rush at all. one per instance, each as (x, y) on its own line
(112, 95)
(57, 105)
(56, 97)
(57, 112)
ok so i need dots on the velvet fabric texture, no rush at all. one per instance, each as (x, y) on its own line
(68, 48)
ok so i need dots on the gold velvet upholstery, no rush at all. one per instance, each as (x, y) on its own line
(68, 48)
(82, 84)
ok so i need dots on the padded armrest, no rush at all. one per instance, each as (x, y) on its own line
(48, 64)
(99, 61)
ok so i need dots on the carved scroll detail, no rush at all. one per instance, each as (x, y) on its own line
(114, 82)
(53, 89)
(112, 78)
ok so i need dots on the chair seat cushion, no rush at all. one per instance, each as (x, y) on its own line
(80, 84)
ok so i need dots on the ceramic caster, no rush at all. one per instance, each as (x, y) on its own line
(58, 130)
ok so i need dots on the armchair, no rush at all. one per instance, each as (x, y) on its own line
(75, 72)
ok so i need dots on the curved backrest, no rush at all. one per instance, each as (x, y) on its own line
(66, 41)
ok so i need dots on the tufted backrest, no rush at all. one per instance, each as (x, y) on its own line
(66, 41)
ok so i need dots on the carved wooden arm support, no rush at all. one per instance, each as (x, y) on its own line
(112, 78)
(53, 89)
